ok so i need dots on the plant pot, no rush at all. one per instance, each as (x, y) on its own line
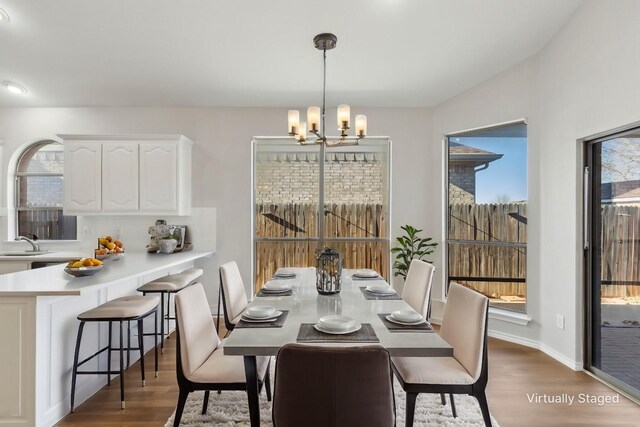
(167, 246)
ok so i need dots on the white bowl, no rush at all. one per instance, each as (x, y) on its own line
(366, 272)
(336, 323)
(260, 311)
(285, 272)
(379, 287)
(277, 285)
(406, 316)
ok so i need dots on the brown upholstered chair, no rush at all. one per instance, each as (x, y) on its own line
(234, 298)
(464, 327)
(339, 387)
(417, 286)
(200, 362)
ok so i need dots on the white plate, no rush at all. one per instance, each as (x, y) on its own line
(277, 286)
(267, 291)
(366, 273)
(392, 320)
(260, 312)
(336, 323)
(390, 291)
(285, 273)
(355, 328)
(379, 287)
(406, 315)
(269, 319)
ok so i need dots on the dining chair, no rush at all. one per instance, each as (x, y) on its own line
(464, 327)
(200, 362)
(333, 386)
(417, 286)
(234, 298)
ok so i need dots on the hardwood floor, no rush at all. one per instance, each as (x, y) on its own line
(514, 372)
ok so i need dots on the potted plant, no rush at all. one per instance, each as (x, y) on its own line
(411, 246)
(168, 244)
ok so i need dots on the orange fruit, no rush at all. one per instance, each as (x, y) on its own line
(76, 264)
(87, 262)
(118, 243)
(96, 262)
(109, 238)
(111, 245)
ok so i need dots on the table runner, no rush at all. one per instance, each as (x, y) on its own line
(307, 333)
(396, 327)
(277, 323)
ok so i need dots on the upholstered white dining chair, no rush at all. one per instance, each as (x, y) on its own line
(464, 327)
(417, 286)
(234, 298)
(200, 362)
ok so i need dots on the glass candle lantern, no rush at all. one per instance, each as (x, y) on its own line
(328, 271)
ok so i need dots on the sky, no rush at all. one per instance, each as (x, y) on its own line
(505, 177)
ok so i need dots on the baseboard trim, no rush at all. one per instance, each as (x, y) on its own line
(571, 364)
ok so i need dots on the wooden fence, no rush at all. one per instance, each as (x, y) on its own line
(299, 220)
(496, 223)
(620, 251)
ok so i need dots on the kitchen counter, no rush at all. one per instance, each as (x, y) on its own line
(38, 326)
(53, 281)
(52, 256)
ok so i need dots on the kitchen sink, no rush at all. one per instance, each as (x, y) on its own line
(23, 253)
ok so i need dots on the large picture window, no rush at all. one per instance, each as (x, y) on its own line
(39, 194)
(487, 213)
(308, 197)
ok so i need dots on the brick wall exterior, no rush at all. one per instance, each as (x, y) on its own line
(462, 184)
(297, 182)
(44, 190)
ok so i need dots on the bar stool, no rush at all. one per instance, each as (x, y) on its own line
(123, 309)
(168, 285)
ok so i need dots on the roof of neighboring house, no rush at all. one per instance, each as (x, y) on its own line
(620, 190)
(460, 153)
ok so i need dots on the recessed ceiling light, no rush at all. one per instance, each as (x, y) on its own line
(4, 17)
(14, 88)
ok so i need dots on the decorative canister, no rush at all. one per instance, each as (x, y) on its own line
(167, 246)
(328, 271)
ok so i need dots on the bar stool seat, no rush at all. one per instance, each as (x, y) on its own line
(125, 309)
(168, 285)
(121, 308)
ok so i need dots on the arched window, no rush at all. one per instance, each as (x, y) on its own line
(39, 194)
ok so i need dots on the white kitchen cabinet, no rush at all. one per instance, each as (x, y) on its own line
(11, 266)
(132, 174)
(82, 177)
(119, 176)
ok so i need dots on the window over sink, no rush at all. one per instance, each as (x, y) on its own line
(39, 193)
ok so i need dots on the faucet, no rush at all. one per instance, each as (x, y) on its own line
(33, 244)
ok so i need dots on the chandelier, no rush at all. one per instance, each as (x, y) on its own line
(315, 115)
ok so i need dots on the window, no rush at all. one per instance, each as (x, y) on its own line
(487, 213)
(39, 194)
(308, 197)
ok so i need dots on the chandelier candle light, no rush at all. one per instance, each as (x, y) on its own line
(315, 115)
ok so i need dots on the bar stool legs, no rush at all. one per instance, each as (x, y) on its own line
(121, 368)
(75, 365)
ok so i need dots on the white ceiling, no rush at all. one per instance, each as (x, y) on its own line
(260, 53)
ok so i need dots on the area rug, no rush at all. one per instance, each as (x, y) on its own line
(230, 409)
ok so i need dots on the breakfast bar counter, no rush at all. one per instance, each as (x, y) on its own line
(38, 324)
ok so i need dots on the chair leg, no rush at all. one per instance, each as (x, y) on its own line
(74, 374)
(182, 399)
(453, 405)
(484, 407)
(267, 383)
(109, 355)
(141, 346)
(410, 409)
(155, 337)
(218, 312)
(205, 402)
(121, 368)
(443, 399)
(162, 322)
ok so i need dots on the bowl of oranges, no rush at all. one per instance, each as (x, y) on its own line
(109, 248)
(83, 267)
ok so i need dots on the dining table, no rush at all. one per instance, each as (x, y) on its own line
(305, 306)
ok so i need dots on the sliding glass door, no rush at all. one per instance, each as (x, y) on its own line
(307, 197)
(612, 248)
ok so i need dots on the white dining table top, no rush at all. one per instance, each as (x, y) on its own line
(307, 306)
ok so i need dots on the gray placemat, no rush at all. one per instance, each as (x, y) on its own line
(275, 294)
(370, 296)
(307, 333)
(274, 324)
(395, 327)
